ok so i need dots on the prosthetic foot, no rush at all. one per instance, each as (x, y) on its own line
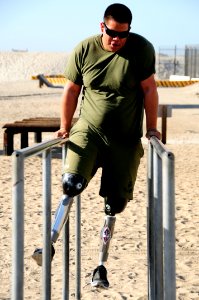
(37, 255)
(99, 278)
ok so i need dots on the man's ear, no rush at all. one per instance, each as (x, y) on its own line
(102, 26)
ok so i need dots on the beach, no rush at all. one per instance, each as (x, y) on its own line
(21, 97)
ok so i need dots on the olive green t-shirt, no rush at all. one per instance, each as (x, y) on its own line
(112, 99)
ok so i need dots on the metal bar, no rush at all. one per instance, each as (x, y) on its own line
(64, 151)
(161, 222)
(78, 248)
(159, 147)
(38, 148)
(157, 189)
(46, 264)
(184, 106)
(169, 227)
(18, 228)
(150, 226)
(66, 253)
(66, 241)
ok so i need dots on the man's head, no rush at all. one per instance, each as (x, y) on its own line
(116, 26)
(119, 12)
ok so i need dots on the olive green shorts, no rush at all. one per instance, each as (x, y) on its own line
(89, 150)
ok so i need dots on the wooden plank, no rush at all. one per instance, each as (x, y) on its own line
(36, 125)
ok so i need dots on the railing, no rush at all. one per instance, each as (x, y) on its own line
(161, 222)
(18, 224)
(161, 226)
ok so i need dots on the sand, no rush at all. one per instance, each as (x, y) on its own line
(127, 264)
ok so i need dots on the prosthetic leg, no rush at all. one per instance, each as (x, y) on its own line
(100, 274)
(106, 236)
(61, 217)
(73, 185)
(113, 206)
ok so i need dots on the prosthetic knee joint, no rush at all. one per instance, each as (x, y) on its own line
(73, 185)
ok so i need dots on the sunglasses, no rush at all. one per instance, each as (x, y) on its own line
(113, 33)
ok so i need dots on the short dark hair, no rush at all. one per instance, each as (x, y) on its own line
(119, 12)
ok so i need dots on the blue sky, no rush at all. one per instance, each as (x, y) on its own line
(58, 25)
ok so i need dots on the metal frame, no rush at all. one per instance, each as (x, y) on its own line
(161, 222)
(18, 158)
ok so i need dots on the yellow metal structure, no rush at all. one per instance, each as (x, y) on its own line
(168, 83)
(61, 79)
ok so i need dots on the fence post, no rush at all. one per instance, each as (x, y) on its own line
(78, 248)
(66, 241)
(18, 227)
(157, 215)
(150, 225)
(66, 254)
(169, 226)
(161, 222)
(46, 263)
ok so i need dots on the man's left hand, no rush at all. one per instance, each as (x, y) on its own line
(153, 132)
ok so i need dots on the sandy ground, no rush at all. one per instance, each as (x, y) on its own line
(127, 264)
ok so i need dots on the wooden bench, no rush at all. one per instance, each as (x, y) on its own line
(36, 125)
(43, 124)
(39, 125)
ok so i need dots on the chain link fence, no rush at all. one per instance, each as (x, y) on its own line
(177, 61)
(170, 61)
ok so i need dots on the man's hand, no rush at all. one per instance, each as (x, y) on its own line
(62, 132)
(153, 132)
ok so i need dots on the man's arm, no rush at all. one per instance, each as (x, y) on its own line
(151, 106)
(68, 106)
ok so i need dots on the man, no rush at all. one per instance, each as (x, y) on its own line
(115, 72)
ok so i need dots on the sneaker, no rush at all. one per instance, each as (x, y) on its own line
(99, 277)
(37, 255)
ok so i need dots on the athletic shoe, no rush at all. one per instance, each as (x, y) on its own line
(37, 255)
(100, 277)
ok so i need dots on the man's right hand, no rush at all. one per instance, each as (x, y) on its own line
(62, 132)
